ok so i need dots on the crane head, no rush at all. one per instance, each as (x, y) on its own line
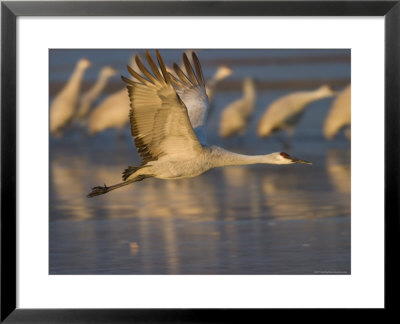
(222, 73)
(108, 71)
(326, 91)
(84, 63)
(290, 159)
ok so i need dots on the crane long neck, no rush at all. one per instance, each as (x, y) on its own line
(221, 157)
(211, 85)
(98, 87)
(75, 80)
(318, 94)
(302, 99)
(249, 92)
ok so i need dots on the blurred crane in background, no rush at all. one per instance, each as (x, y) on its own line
(113, 111)
(285, 112)
(236, 115)
(63, 107)
(339, 116)
(89, 97)
(211, 85)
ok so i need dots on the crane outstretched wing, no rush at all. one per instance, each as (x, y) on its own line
(190, 87)
(158, 117)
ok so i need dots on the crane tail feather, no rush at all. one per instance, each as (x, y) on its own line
(129, 171)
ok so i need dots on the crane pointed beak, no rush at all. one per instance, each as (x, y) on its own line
(296, 160)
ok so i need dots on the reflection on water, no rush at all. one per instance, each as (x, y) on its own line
(66, 184)
(260, 219)
(338, 169)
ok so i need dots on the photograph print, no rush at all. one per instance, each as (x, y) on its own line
(199, 161)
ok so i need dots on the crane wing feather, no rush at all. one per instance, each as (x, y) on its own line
(199, 71)
(189, 69)
(182, 76)
(159, 119)
(191, 89)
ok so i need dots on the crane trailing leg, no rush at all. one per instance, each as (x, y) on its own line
(100, 190)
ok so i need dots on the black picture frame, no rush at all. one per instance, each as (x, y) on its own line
(11, 10)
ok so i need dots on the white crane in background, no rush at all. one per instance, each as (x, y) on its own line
(90, 96)
(167, 116)
(63, 107)
(112, 112)
(236, 115)
(211, 85)
(339, 115)
(285, 112)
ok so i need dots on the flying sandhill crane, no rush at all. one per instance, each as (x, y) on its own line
(339, 115)
(63, 107)
(285, 112)
(235, 117)
(88, 98)
(167, 125)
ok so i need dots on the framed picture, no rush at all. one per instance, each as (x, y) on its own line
(254, 237)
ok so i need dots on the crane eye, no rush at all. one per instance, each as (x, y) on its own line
(285, 155)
